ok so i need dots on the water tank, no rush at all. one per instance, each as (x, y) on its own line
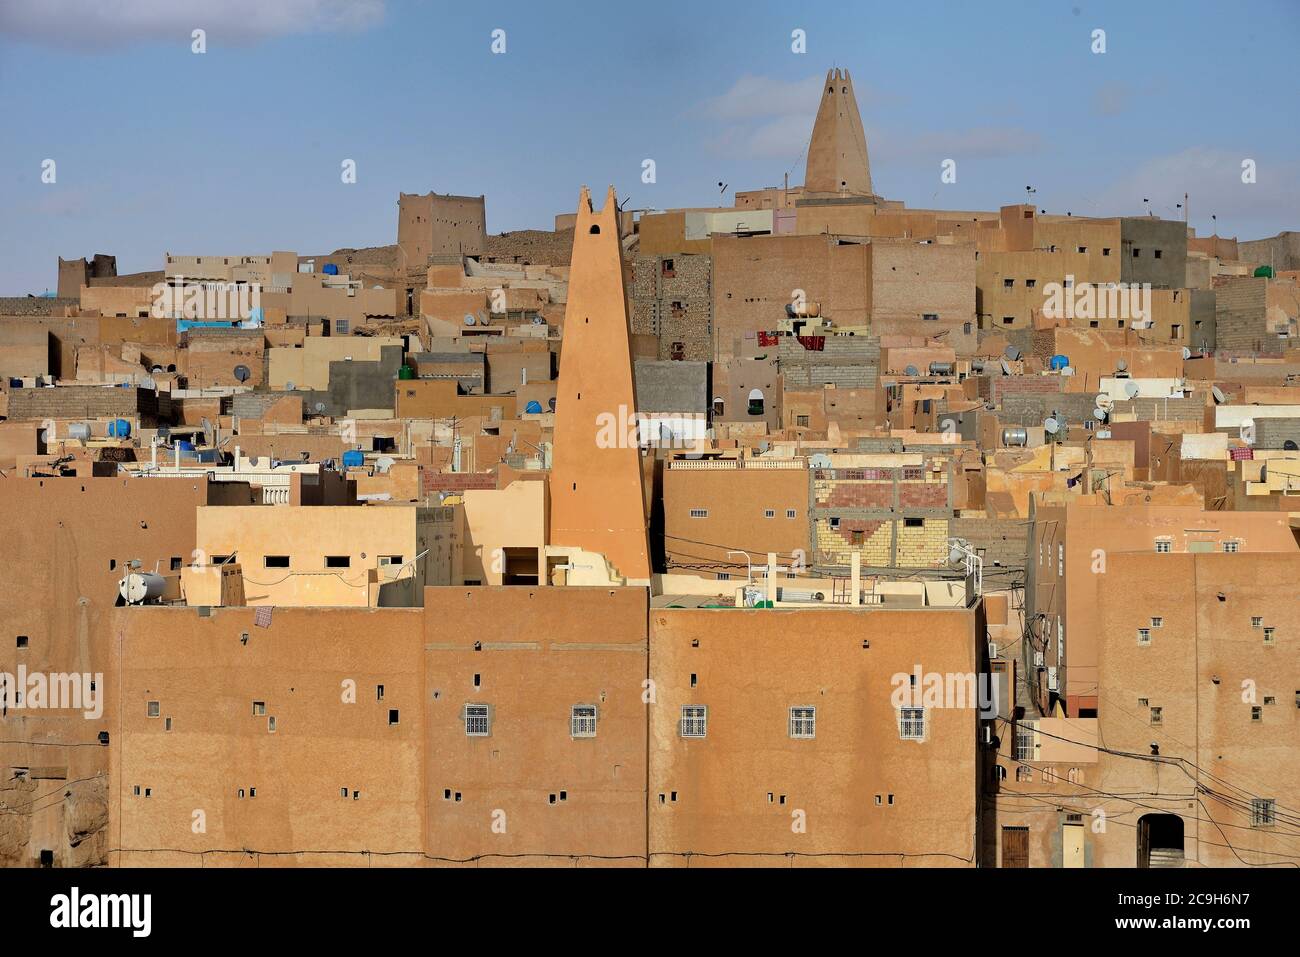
(406, 372)
(534, 407)
(79, 430)
(1015, 437)
(119, 429)
(137, 588)
(353, 459)
(1060, 362)
(943, 368)
(185, 445)
(1264, 272)
(330, 269)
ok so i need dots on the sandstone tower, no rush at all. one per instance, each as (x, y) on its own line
(837, 154)
(597, 492)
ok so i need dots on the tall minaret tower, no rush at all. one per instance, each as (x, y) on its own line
(597, 490)
(837, 153)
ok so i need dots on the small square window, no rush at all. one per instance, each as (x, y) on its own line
(1256, 621)
(478, 721)
(803, 722)
(1256, 713)
(1105, 250)
(393, 716)
(791, 513)
(1164, 546)
(1263, 812)
(1269, 633)
(1008, 284)
(769, 513)
(695, 721)
(582, 721)
(154, 709)
(259, 708)
(1231, 547)
(699, 513)
(1157, 622)
(1144, 636)
(1157, 715)
(911, 724)
(23, 641)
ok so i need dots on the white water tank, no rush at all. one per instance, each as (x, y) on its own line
(139, 588)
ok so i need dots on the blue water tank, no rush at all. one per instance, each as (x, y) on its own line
(533, 407)
(1060, 362)
(353, 458)
(330, 269)
(185, 446)
(119, 429)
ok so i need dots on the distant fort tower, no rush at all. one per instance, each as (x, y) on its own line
(837, 154)
(597, 490)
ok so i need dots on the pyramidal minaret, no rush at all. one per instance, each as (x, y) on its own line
(837, 154)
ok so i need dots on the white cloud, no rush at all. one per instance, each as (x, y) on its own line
(754, 97)
(116, 23)
(1212, 179)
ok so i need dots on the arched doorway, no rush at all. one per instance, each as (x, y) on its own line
(1160, 840)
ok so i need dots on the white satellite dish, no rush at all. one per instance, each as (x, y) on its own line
(1012, 353)
(1121, 365)
(383, 464)
(1104, 401)
(1099, 414)
(911, 370)
(1131, 389)
(288, 386)
(1006, 369)
(1051, 425)
(1219, 397)
(470, 320)
(1187, 353)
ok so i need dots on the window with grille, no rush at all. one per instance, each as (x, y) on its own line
(803, 722)
(1268, 635)
(1144, 636)
(1256, 621)
(1022, 746)
(911, 724)
(478, 721)
(1164, 546)
(695, 720)
(582, 722)
(1263, 812)
(769, 513)
(1157, 622)
(699, 513)
(1231, 547)
(790, 513)
(1157, 716)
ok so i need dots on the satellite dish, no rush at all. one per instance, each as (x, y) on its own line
(1121, 365)
(470, 320)
(1012, 353)
(207, 429)
(819, 461)
(910, 370)
(1051, 425)
(955, 555)
(1104, 401)
(1099, 414)
(383, 464)
(242, 373)
(164, 432)
(157, 370)
(288, 387)
(1131, 389)
(1187, 353)
(1006, 369)
(1219, 398)
(320, 408)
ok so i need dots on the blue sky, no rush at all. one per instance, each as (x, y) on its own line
(238, 150)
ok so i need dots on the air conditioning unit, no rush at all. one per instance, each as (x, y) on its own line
(993, 649)
(1052, 683)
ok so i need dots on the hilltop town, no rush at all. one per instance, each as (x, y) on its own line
(815, 529)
